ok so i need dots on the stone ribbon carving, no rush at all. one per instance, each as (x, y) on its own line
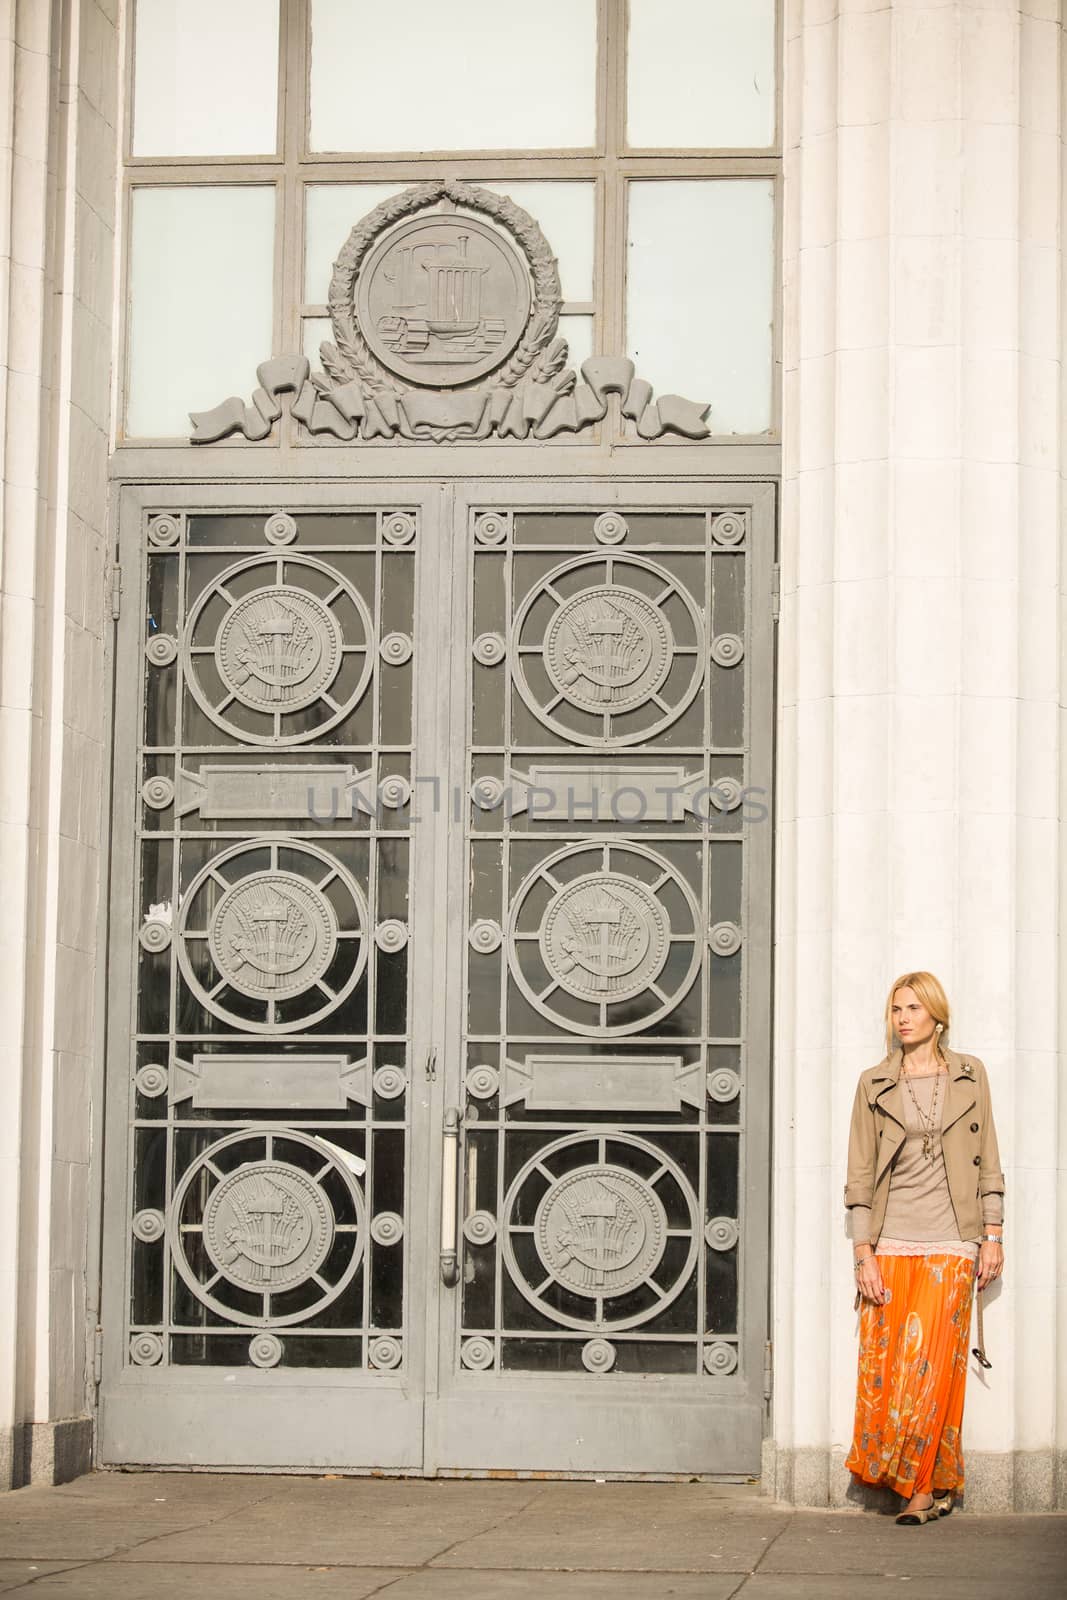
(445, 327)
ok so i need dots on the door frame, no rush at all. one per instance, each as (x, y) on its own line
(425, 1428)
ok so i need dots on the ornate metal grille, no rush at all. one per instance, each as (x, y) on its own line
(269, 1138)
(570, 953)
(606, 943)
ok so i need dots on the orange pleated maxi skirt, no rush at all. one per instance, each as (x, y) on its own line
(912, 1376)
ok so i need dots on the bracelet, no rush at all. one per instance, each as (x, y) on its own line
(992, 1238)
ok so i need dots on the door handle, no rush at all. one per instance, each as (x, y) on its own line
(449, 1176)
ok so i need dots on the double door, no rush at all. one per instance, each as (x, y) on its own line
(440, 978)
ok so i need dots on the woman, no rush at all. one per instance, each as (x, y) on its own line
(925, 1195)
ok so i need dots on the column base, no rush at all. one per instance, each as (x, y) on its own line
(997, 1481)
(45, 1452)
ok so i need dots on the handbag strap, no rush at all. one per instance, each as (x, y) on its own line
(979, 1349)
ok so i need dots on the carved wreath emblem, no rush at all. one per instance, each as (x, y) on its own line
(445, 326)
(446, 285)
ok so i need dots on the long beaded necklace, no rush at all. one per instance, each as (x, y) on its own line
(929, 1124)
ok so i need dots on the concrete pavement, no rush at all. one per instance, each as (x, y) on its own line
(171, 1536)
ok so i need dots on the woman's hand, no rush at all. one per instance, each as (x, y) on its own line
(990, 1263)
(869, 1279)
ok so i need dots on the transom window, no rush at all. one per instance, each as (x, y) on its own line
(642, 136)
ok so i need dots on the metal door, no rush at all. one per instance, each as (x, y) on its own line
(438, 1030)
(265, 1233)
(609, 1033)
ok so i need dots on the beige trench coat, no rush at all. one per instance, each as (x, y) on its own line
(968, 1138)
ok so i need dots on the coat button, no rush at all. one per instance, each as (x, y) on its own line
(974, 1127)
(978, 1161)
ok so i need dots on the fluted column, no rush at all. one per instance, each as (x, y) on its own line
(58, 112)
(919, 773)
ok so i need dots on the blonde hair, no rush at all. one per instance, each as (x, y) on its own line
(931, 992)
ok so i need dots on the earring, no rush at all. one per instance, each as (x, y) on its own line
(939, 1028)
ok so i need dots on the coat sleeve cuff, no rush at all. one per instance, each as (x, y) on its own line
(859, 1218)
(858, 1194)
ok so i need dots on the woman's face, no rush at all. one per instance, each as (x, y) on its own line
(912, 1021)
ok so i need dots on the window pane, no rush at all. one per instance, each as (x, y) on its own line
(316, 330)
(567, 215)
(706, 79)
(469, 76)
(565, 211)
(201, 296)
(700, 292)
(578, 332)
(189, 97)
(333, 209)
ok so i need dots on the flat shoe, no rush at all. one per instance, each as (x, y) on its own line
(943, 1504)
(916, 1519)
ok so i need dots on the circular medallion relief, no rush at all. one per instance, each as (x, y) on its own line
(265, 1350)
(267, 1226)
(387, 1228)
(257, 921)
(600, 1230)
(146, 1349)
(598, 1355)
(164, 531)
(278, 649)
(385, 1353)
(272, 934)
(477, 1353)
(152, 1080)
(266, 645)
(585, 1231)
(605, 937)
(608, 648)
(442, 299)
(610, 528)
(720, 1359)
(483, 1081)
(280, 529)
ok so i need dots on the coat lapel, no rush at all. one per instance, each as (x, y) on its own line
(960, 1091)
(888, 1092)
(889, 1095)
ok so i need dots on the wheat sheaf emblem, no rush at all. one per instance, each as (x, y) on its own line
(276, 646)
(608, 647)
(607, 937)
(600, 1231)
(268, 931)
(270, 1227)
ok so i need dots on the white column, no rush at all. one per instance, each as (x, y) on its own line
(919, 752)
(58, 111)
